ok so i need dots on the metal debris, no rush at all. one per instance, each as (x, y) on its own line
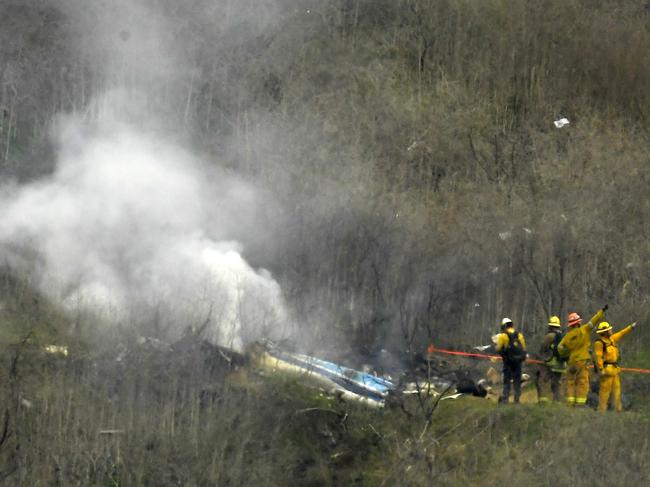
(452, 396)
(561, 122)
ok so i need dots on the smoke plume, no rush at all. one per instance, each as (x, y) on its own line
(129, 226)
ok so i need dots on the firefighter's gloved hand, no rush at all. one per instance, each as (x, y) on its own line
(605, 308)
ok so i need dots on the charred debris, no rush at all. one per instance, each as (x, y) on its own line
(377, 379)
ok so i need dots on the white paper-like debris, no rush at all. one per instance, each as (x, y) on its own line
(453, 396)
(57, 349)
(482, 348)
(505, 235)
(561, 122)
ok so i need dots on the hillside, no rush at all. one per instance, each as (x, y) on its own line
(343, 176)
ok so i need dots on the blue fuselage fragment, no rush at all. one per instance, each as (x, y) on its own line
(357, 382)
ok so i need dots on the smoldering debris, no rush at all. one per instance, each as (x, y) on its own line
(369, 386)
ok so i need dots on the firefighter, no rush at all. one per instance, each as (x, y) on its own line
(512, 347)
(606, 357)
(549, 374)
(576, 346)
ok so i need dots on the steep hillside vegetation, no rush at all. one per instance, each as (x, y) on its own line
(410, 144)
(420, 192)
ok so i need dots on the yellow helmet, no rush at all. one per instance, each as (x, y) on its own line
(603, 327)
(554, 321)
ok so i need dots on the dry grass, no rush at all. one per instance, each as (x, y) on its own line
(184, 419)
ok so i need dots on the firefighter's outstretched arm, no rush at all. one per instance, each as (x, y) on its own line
(620, 334)
(598, 317)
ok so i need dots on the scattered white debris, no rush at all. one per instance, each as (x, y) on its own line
(482, 348)
(527, 230)
(26, 403)
(495, 269)
(431, 392)
(505, 235)
(56, 349)
(453, 396)
(412, 146)
(561, 122)
(477, 305)
(563, 216)
(154, 343)
(123, 352)
(484, 384)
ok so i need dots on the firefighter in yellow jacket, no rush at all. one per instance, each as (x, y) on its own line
(549, 374)
(576, 345)
(511, 345)
(606, 358)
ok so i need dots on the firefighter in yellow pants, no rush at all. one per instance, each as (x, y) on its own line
(576, 345)
(606, 358)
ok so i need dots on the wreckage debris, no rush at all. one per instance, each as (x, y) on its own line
(561, 122)
(351, 384)
(364, 386)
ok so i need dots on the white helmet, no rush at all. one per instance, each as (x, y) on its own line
(506, 322)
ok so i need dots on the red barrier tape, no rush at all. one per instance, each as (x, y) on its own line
(431, 350)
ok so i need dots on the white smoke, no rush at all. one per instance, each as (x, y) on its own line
(130, 226)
